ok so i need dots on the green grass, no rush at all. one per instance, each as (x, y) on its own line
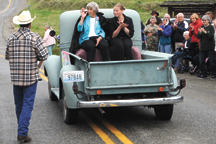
(48, 11)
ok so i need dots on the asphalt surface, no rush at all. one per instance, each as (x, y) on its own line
(193, 121)
(6, 16)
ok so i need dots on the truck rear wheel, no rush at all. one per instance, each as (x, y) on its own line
(52, 96)
(164, 112)
(69, 115)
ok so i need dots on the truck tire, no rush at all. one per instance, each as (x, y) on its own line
(69, 115)
(52, 96)
(164, 112)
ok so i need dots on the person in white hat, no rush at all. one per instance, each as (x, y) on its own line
(24, 49)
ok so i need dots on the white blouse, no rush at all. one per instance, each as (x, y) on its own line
(92, 29)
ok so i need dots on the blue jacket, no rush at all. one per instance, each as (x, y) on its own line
(85, 29)
(165, 35)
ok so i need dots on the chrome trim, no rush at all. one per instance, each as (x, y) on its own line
(134, 102)
(130, 61)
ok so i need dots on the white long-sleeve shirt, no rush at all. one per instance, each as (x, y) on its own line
(48, 39)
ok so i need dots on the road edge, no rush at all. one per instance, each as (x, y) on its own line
(8, 26)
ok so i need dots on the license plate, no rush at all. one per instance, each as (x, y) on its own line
(73, 76)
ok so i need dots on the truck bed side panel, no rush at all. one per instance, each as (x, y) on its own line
(128, 73)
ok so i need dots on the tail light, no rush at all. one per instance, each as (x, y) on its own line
(99, 92)
(182, 83)
(161, 89)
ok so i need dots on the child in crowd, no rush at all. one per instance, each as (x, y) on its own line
(151, 41)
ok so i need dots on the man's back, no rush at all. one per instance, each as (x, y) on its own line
(24, 49)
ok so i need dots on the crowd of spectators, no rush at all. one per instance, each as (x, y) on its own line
(193, 44)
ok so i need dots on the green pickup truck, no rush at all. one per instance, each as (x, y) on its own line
(149, 81)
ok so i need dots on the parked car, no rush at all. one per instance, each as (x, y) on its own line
(149, 81)
(185, 19)
(174, 19)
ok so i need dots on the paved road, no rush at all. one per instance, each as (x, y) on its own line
(8, 9)
(193, 121)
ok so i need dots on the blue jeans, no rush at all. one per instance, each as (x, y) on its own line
(158, 46)
(24, 97)
(50, 47)
(176, 58)
(165, 48)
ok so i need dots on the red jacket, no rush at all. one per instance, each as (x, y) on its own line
(196, 26)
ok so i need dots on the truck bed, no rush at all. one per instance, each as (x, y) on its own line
(132, 76)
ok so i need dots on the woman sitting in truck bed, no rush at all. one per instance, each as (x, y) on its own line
(89, 30)
(122, 30)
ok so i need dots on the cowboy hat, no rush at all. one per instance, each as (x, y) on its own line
(23, 18)
(154, 12)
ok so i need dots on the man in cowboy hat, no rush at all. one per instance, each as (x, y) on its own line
(24, 49)
(155, 14)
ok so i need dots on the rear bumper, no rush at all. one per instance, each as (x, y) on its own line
(134, 102)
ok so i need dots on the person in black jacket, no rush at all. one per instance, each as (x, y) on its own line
(121, 30)
(88, 40)
(207, 46)
(178, 29)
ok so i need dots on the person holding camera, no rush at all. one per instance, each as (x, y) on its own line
(49, 40)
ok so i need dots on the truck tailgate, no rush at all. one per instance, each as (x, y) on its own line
(128, 74)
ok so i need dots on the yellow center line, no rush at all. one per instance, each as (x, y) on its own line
(2, 56)
(103, 136)
(45, 78)
(114, 130)
(7, 7)
(41, 70)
